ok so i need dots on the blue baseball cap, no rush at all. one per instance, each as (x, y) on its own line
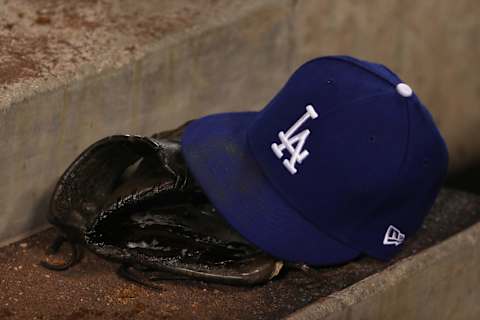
(344, 161)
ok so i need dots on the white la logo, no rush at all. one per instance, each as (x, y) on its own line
(287, 141)
(393, 236)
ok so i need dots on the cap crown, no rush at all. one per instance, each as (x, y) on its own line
(354, 156)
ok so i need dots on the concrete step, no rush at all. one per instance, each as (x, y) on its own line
(436, 276)
(73, 72)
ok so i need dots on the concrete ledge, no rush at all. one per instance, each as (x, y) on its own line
(435, 276)
(71, 73)
(441, 282)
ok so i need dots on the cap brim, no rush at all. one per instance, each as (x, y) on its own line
(217, 153)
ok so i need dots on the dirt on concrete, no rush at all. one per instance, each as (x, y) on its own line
(55, 39)
(92, 290)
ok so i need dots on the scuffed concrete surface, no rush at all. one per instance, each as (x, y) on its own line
(91, 290)
(46, 40)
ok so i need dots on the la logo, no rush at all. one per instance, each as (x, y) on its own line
(294, 143)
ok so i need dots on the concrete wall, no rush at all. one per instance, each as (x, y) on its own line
(131, 67)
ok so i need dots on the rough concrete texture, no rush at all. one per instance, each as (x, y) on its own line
(72, 72)
(424, 276)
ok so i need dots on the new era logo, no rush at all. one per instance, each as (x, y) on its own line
(393, 236)
(294, 143)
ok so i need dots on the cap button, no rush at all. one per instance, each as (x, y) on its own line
(404, 90)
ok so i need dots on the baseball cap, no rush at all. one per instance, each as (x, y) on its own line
(344, 161)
